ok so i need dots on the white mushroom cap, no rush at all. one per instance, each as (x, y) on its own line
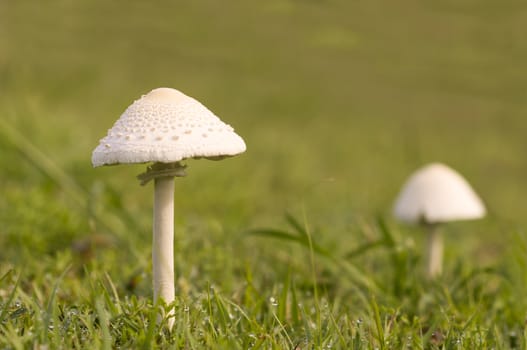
(437, 193)
(166, 126)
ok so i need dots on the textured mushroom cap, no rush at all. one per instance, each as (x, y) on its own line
(166, 126)
(437, 193)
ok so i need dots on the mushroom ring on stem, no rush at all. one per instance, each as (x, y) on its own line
(165, 127)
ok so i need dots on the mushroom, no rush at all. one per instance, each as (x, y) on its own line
(432, 195)
(165, 127)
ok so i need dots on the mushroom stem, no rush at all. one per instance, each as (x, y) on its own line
(163, 244)
(434, 251)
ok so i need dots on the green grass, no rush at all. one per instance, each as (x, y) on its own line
(291, 245)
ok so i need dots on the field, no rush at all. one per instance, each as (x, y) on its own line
(291, 245)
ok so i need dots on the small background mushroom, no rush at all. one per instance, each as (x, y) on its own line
(432, 195)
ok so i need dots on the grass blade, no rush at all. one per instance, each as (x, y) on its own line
(295, 224)
(45, 164)
(11, 296)
(104, 323)
(278, 234)
(378, 323)
(363, 249)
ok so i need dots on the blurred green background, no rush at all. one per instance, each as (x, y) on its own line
(338, 101)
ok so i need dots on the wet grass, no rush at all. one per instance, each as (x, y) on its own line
(338, 102)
